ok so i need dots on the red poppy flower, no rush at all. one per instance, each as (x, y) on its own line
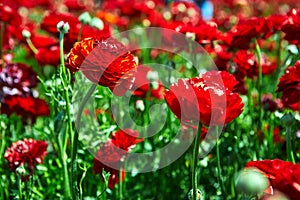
(27, 107)
(142, 85)
(292, 27)
(209, 98)
(284, 176)
(27, 151)
(104, 61)
(113, 152)
(289, 85)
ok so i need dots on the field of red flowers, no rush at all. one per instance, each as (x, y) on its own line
(150, 99)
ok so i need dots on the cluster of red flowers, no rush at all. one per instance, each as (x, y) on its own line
(113, 153)
(284, 176)
(16, 88)
(26, 152)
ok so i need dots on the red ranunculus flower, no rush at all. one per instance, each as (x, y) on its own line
(209, 98)
(48, 56)
(142, 85)
(240, 36)
(104, 61)
(113, 152)
(27, 151)
(27, 107)
(284, 176)
(247, 64)
(289, 85)
(292, 27)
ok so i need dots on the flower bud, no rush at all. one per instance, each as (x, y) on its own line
(85, 18)
(97, 23)
(139, 104)
(63, 27)
(20, 170)
(26, 34)
(152, 76)
(251, 182)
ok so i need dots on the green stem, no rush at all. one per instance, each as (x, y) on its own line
(2, 30)
(259, 87)
(120, 185)
(195, 159)
(20, 187)
(219, 165)
(80, 32)
(289, 149)
(31, 46)
(65, 81)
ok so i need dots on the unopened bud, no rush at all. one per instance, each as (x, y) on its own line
(251, 182)
(85, 18)
(26, 34)
(139, 104)
(152, 76)
(63, 27)
(97, 23)
(20, 170)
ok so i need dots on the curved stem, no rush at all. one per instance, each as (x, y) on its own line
(31, 46)
(195, 159)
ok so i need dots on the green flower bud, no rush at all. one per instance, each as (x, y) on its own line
(21, 170)
(26, 34)
(251, 182)
(85, 18)
(63, 27)
(139, 104)
(97, 23)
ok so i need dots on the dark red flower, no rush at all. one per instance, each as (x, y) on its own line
(240, 36)
(284, 176)
(292, 27)
(142, 85)
(48, 56)
(209, 98)
(111, 155)
(27, 107)
(27, 151)
(104, 61)
(247, 64)
(17, 78)
(289, 85)
(6, 13)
